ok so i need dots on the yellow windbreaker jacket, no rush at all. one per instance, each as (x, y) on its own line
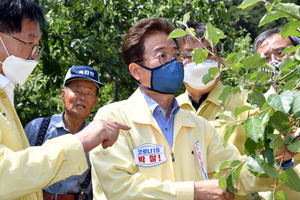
(141, 165)
(211, 106)
(25, 170)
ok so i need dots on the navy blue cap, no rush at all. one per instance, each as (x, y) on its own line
(83, 72)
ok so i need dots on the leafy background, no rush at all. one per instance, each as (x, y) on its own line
(90, 32)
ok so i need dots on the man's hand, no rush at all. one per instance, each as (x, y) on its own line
(284, 153)
(100, 131)
(210, 190)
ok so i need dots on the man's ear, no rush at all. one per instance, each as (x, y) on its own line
(135, 70)
(62, 95)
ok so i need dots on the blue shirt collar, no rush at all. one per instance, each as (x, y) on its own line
(155, 107)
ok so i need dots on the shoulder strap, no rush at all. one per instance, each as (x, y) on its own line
(44, 126)
(84, 185)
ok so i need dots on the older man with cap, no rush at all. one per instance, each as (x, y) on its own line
(80, 95)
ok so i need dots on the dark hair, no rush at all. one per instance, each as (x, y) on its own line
(133, 45)
(266, 34)
(200, 28)
(13, 12)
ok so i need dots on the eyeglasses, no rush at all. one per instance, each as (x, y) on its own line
(188, 57)
(36, 50)
(164, 57)
(276, 55)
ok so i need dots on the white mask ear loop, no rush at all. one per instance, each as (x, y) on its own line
(4, 49)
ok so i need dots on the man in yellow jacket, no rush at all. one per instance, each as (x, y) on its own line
(271, 44)
(25, 170)
(202, 99)
(169, 153)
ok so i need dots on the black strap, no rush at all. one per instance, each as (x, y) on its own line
(44, 126)
(84, 185)
(40, 139)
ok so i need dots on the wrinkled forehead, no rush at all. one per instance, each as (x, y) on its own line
(274, 43)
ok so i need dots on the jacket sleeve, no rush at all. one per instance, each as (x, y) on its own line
(28, 171)
(247, 183)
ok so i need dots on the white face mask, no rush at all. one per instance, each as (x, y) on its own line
(16, 69)
(193, 74)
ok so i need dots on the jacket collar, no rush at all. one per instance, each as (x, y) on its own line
(140, 112)
(212, 96)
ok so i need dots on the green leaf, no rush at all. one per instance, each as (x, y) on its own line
(235, 163)
(290, 179)
(247, 3)
(220, 33)
(224, 164)
(255, 61)
(295, 146)
(296, 104)
(290, 49)
(290, 8)
(225, 113)
(236, 90)
(281, 102)
(290, 28)
(253, 128)
(232, 60)
(216, 175)
(269, 7)
(271, 16)
(186, 17)
(268, 156)
(253, 165)
(240, 109)
(250, 146)
(236, 173)
(177, 33)
(212, 72)
(191, 32)
(297, 56)
(276, 141)
(261, 76)
(279, 121)
(270, 196)
(288, 63)
(222, 183)
(228, 134)
(281, 195)
(230, 184)
(199, 55)
(266, 117)
(269, 169)
(211, 35)
(226, 91)
(256, 97)
(290, 86)
(179, 22)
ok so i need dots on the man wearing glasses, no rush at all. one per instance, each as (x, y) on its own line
(169, 153)
(271, 44)
(25, 170)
